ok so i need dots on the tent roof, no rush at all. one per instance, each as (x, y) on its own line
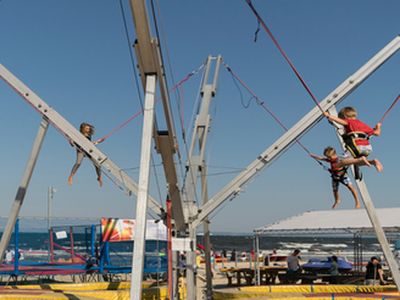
(334, 221)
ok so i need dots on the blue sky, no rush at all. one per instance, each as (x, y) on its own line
(74, 54)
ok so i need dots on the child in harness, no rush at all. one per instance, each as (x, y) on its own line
(357, 134)
(338, 170)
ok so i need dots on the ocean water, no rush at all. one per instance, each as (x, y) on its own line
(35, 246)
(319, 247)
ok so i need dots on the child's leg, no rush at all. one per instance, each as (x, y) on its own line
(79, 157)
(355, 195)
(377, 164)
(335, 189)
(360, 161)
(99, 178)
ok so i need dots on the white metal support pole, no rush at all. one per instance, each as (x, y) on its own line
(197, 166)
(258, 282)
(142, 198)
(207, 242)
(23, 187)
(176, 275)
(50, 197)
(191, 265)
(376, 224)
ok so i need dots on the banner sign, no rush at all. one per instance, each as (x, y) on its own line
(119, 230)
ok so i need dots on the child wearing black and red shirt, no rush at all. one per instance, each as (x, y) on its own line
(338, 170)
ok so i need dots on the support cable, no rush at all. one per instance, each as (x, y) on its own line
(131, 53)
(275, 41)
(389, 109)
(262, 104)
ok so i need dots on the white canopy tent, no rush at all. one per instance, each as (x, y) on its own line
(337, 222)
(333, 221)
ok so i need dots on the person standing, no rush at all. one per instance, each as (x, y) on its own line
(334, 270)
(233, 255)
(294, 268)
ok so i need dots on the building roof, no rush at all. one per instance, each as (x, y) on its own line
(333, 221)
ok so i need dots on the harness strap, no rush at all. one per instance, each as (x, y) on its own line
(357, 135)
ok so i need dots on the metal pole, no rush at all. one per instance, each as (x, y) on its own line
(380, 234)
(371, 212)
(50, 196)
(176, 275)
(207, 243)
(142, 199)
(257, 256)
(92, 240)
(48, 207)
(71, 240)
(51, 246)
(207, 246)
(190, 265)
(196, 166)
(169, 247)
(16, 241)
(19, 198)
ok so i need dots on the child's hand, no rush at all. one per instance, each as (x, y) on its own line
(378, 125)
(326, 114)
(99, 141)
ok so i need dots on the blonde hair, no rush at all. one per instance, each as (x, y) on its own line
(83, 125)
(329, 151)
(347, 112)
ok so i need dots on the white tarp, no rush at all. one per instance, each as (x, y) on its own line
(345, 220)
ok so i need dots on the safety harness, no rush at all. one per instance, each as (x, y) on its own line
(338, 173)
(350, 142)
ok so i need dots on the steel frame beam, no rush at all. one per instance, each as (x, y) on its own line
(58, 121)
(201, 128)
(371, 212)
(233, 188)
(142, 199)
(23, 187)
(197, 166)
(150, 63)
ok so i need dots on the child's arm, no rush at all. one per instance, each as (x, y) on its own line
(377, 129)
(317, 157)
(335, 119)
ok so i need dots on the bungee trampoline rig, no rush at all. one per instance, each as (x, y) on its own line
(185, 216)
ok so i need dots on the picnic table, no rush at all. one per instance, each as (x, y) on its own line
(309, 278)
(268, 274)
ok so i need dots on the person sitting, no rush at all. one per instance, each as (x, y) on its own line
(374, 272)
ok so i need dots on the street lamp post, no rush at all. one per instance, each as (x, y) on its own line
(50, 195)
